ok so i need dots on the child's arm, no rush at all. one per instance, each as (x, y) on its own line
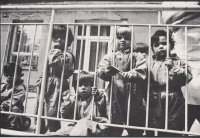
(100, 100)
(103, 64)
(139, 71)
(67, 106)
(56, 61)
(178, 74)
(18, 97)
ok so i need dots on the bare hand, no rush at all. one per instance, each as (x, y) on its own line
(178, 71)
(66, 95)
(111, 70)
(168, 62)
(94, 90)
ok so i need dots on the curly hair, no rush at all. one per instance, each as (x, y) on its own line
(155, 38)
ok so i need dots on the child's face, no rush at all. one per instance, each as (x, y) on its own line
(85, 89)
(160, 48)
(59, 41)
(123, 41)
(10, 78)
(145, 55)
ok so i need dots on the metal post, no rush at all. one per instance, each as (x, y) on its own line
(186, 85)
(79, 66)
(29, 72)
(130, 86)
(112, 80)
(44, 75)
(167, 82)
(159, 16)
(14, 80)
(63, 72)
(6, 50)
(148, 85)
(95, 76)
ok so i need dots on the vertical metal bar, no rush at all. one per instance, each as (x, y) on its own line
(79, 66)
(167, 82)
(95, 75)
(14, 80)
(14, 39)
(148, 85)
(44, 75)
(159, 16)
(63, 72)
(130, 86)
(112, 80)
(29, 72)
(186, 85)
(155, 133)
(6, 50)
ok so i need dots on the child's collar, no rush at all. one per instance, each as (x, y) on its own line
(125, 51)
(173, 56)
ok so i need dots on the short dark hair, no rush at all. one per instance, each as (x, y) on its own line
(9, 69)
(155, 38)
(141, 47)
(84, 77)
(61, 29)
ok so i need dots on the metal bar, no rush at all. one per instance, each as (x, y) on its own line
(44, 75)
(186, 85)
(14, 80)
(159, 16)
(112, 79)
(6, 50)
(24, 54)
(29, 72)
(103, 7)
(17, 133)
(148, 85)
(130, 86)
(167, 82)
(15, 113)
(24, 23)
(63, 72)
(14, 42)
(155, 133)
(104, 24)
(79, 66)
(95, 75)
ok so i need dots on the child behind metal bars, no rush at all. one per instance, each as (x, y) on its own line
(10, 121)
(55, 67)
(123, 77)
(177, 78)
(84, 106)
(84, 103)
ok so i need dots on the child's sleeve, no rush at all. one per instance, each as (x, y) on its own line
(67, 109)
(180, 78)
(56, 61)
(18, 97)
(140, 70)
(100, 100)
(105, 61)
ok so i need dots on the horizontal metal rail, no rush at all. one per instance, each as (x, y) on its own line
(17, 133)
(112, 125)
(127, 7)
(104, 24)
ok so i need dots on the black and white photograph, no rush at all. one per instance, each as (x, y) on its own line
(100, 68)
